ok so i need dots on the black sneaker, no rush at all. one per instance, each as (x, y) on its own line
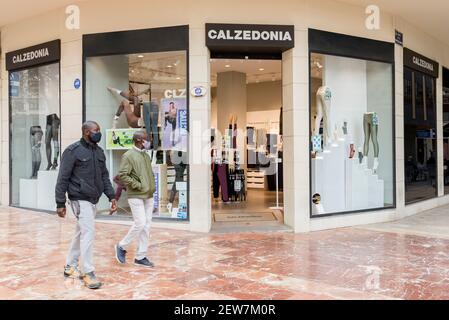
(144, 263)
(120, 254)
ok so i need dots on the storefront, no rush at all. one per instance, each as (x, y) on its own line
(350, 122)
(34, 124)
(420, 127)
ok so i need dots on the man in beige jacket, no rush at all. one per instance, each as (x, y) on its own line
(137, 175)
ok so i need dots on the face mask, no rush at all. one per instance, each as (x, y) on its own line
(95, 137)
(146, 145)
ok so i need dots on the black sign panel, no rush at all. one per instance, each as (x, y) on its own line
(251, 38)
(399, 38)
(420, 63)
(40, 54)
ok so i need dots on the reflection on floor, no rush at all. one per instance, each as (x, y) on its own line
(406, 259)
(419, 191)
(258, 211)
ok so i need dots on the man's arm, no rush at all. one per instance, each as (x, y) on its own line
(124, 174)
(65, 172)
(108, 188)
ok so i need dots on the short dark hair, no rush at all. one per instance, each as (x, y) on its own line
(139, 135)
(88, 125)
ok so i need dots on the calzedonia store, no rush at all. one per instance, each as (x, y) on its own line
(284, 125)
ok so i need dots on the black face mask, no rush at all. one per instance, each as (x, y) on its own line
(95, 137)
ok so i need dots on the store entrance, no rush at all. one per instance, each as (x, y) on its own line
(246, 142)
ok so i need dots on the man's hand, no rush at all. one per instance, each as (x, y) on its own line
(113, 207)
(61, 212)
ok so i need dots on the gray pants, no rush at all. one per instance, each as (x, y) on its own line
(82, 243)
(370, 127)
(142, 211)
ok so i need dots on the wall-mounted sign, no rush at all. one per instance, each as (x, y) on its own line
(35, 55)
(175, 93)
(420, 63)
(399, 38)
(250, 37)
(198, 91)
(77, 83)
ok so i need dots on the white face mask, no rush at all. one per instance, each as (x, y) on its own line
(146, 145)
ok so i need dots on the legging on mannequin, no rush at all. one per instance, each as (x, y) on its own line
(323, 105)
(150, 118)
(52, 135)
(36, 134)
(370, 128)
(180, 164)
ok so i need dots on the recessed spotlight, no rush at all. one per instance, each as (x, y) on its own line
(261, 69)
(178, 78)
(227, 66)
(140, 56)
(169, 66)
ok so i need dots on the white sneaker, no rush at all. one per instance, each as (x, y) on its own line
(365, 162)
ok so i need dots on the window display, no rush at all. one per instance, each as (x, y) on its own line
(145, 91)
(34, 99)
(446, 129)
(352, 149)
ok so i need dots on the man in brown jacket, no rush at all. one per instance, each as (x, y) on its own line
(137, 175)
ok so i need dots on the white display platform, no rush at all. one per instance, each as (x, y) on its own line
(28, 193)
(46, 183)
(344, 184)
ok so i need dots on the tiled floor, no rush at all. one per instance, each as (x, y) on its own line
(408, 259)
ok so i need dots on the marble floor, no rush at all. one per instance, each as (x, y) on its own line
(407, 259)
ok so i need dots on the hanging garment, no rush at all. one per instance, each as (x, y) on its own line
(221, 177)
(150, 118)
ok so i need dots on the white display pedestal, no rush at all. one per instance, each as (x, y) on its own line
(28, 193)
(46, 183)
(39, 193)
(344, 184)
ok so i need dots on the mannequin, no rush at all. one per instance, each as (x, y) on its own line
(52, 135)
(36, 135)
(179, 160)
(323, 100)
(370, 128)
(130, 98)
(150, 118)
(171, 117)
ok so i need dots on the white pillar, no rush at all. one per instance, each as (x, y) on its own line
(295, 93)
(399, 118)
(200, 109)
(440, 141)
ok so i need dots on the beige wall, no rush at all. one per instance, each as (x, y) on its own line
(330, 15)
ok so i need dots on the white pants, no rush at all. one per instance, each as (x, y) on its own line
(142, 210)
(82, 243)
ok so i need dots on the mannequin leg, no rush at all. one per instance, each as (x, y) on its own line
(319, 115)
(55, 138)
(374, 130)
(48, 136)
(367, 128)
(131, 118)
(154, 116)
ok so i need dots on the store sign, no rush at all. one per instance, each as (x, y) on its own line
(198, 91)
(77, 84)
(175, 93)
(420, 63)
(399, 38)
(249, 35)
(35, 55)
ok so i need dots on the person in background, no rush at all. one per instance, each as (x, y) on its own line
(84, 177)
(136, 174)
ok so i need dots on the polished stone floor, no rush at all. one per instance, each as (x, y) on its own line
(407, 259)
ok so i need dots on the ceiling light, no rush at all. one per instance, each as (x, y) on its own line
(169, 66)
(178, 78)
(261, 69)
(140, 56)
(227, 66)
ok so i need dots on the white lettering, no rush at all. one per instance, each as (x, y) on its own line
(422, 63)
(221, 35)
(274, 35)
(287, 36)
(256, 35)
(265, 35)
(246, 35)
(212, 34)
(372, 22)
(228, 35)
(238, 34)
(72, 21)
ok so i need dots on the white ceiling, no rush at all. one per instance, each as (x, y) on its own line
(256, 70)
(430, 15)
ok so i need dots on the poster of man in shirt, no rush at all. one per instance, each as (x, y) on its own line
(174, 124)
